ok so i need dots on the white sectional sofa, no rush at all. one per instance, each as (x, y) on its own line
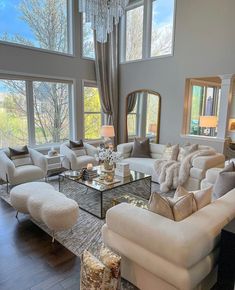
(158, 253)
(146, 165)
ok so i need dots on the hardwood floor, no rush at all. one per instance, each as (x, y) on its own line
(28, 259)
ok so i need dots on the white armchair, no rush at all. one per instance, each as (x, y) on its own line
(74, 162)
(25, 173)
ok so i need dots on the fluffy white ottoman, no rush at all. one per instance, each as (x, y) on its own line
(45, 204)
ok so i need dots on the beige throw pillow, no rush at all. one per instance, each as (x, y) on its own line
(202, 197)
(172, 208)
(225, 181)
(171, 152)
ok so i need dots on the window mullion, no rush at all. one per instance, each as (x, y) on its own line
(30, 112)
(147, 23)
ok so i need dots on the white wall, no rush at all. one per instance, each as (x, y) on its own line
(15, 59)
(204, 46)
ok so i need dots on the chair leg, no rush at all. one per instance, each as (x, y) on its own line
(17, 214)
(53, 237)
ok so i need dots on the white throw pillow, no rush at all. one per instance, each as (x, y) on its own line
(171, 152)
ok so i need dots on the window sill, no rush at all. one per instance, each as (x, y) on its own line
(147, 58)
(204, 138)
(43, 50)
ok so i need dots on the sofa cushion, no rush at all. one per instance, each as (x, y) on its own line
(141, 149)
(225, 180)
(144, 165)
(27, 173)
(171, 152)
(84, 160)
(173, 208)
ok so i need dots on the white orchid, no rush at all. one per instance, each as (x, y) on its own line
(108, 155)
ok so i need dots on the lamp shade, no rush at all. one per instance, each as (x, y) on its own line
(153, 128)
(107, 131)
(208, 121)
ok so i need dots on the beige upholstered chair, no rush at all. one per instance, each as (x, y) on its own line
(75, 162)
(16, 175)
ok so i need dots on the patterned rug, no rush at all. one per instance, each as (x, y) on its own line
(86, 234)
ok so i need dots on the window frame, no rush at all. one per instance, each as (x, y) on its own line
(70, 36)
(188, 104)
(93, 84)
(147, 33)
(30, 104)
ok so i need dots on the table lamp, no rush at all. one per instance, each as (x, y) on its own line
(107, 132)
(153, 128)
(208, 122)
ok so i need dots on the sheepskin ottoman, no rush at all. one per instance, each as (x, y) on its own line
(45, 204)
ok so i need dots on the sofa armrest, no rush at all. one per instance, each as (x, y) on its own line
(7, 167)
(125, 149)
(206, 162)
(174, 241)
(91, 150)
(70, 159)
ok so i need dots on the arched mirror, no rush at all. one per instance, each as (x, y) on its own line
(143, 115)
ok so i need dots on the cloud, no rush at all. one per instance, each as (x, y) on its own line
(2, 4)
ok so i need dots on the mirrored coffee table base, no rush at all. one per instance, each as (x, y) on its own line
(96, 198)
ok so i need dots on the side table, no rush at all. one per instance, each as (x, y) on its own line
(54, 164)
(226, 269)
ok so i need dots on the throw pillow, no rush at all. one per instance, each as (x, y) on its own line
(92, 272)
(202, 197)
(112, 263)
(225, 181)
(186, 150)
(103, 274)
(78, 148)
(141, 149)
(20, 156)
(172, 208)
(76, 144)
(171, 152)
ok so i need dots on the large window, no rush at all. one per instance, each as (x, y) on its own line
(147, 29)
(134, 33)
(162, 27)
(92, 112)
(88, 49)
(204, 100)
(33, 112)
(36, 23)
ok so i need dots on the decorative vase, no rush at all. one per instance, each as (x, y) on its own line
(107, 165)
(109, 177)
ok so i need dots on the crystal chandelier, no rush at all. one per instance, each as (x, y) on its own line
(103, 15)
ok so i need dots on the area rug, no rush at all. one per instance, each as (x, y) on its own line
(86, 234)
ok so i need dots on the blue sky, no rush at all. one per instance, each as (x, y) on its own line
(163, 11)
(10, 21)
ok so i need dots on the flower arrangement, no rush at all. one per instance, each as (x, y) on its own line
(108, 157)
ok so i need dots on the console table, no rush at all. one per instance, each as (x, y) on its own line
(226, 270)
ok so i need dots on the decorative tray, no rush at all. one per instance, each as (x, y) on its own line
(102, 181)
(72, 173)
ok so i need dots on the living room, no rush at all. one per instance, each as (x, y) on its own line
(117, 123)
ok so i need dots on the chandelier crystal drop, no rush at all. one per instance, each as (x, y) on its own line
(103, 15)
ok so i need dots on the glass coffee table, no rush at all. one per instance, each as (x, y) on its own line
(96, 198)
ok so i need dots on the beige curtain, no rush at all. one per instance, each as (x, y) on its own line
(106, 65)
